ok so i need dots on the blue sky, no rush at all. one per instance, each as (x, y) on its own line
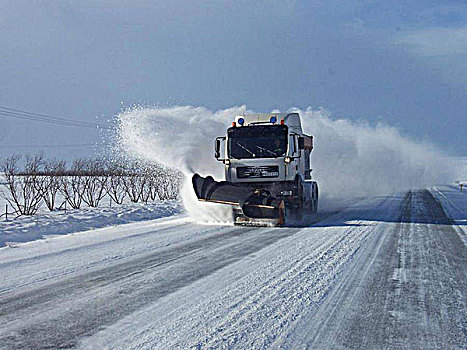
(403, 63)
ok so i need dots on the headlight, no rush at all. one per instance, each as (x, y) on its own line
(287, 159)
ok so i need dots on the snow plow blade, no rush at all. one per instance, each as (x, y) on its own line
(254, 204)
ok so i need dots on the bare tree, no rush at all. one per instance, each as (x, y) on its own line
(94, 182)
(153, 183)
(149, 173)
(25, 190)
(51, 181)
(115, 186)
(72, 186)
(134, 186)
(168, 184)
(10, 170)
(134, 181)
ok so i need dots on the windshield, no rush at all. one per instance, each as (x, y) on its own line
(259, 141)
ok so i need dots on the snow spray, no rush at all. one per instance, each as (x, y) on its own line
(350, 159)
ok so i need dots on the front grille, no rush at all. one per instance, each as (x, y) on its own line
(258, 171)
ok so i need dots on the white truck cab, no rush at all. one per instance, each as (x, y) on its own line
(265, 148)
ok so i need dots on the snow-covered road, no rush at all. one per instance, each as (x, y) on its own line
(386, 272)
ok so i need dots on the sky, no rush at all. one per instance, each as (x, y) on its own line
(400, 63)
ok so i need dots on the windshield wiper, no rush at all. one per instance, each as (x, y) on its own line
(265, 149)
(246, 149)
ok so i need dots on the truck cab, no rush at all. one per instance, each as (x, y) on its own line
(265, 148)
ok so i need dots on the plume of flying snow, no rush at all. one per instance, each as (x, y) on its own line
(350, 159)
(182, 138)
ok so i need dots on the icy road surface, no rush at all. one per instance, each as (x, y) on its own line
(387, 272)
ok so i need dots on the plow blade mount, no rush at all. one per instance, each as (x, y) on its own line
(254, 203)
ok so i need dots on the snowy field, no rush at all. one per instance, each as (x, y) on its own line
(47, 224)
(385, 272)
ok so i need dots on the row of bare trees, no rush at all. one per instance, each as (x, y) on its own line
(87, 181)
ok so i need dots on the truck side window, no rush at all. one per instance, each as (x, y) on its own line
(292, 145)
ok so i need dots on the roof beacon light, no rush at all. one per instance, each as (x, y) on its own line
(233, 124)
(282, 122)
(273, 120)
(241, 121)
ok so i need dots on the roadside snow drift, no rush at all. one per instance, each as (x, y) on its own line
(350, 158)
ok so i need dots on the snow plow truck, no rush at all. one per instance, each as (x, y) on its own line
(267, 171)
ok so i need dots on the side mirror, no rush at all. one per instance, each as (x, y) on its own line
(301, 143)
(219, 147)
(217, 153)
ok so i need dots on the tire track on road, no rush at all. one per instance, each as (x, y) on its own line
(59, 314)
(412, 294)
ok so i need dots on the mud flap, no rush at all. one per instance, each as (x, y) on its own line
(254, 204)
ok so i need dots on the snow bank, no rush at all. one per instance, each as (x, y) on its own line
(29, 228)
(350, 158)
